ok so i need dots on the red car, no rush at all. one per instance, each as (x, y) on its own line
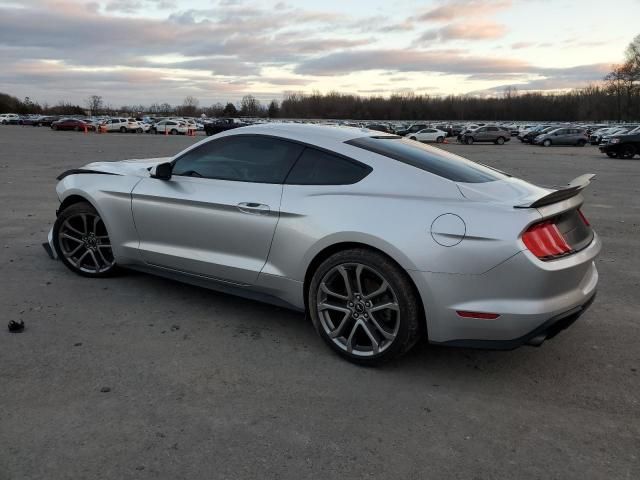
(72, 124)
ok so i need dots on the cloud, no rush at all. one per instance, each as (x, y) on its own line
(473, 30)
(455, 9)
(345, 62)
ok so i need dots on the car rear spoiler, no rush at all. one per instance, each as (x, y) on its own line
(574, 187)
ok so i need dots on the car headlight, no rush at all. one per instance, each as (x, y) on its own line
(615, 140)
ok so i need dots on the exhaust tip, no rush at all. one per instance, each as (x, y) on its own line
(537, 340)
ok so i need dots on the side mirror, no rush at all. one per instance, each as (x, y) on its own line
(162, 171)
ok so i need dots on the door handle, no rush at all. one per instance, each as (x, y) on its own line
(254, 208)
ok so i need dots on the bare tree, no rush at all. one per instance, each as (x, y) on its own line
(189, 106)
(94, 104)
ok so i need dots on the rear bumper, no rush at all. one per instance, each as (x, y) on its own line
(536, 337)
(530, 297)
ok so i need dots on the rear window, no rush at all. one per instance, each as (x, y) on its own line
(429, 159)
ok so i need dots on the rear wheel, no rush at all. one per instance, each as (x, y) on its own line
(612, 154)
(500, 141)
(139, 130)
(154, 130)
(364, 306)
(82, 242)
(581, 143)
(76, 128)
(123, 130)
(469, 140)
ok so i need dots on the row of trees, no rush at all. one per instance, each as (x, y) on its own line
(617, 98)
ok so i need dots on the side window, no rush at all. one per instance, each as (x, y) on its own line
(492, 129)
(241, 158)
(315, 167)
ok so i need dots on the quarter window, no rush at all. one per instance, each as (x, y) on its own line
(241, 158)
(315, 167)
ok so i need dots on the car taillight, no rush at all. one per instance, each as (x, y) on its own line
(545, 241)
(584, 219)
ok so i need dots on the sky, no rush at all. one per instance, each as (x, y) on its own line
(144, 51)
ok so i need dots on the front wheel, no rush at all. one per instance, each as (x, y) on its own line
(546, 143)
(628, 151)
(500, 141)
(439, 139)
(469, 140)
(123, 130)
(364, 306)
(413, 138)
(612, 154)
(82, 242)
(174, 131)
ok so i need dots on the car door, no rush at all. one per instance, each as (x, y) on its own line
(480, 135)
(216, 216)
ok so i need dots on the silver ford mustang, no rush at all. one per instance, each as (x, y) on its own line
(379, 239)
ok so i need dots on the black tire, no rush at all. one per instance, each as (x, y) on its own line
(612, 154)
(154, 130)
(139, 130)
(404, 320)
(468, 140)
(54, 127)
(546, 143)
(413, 138)
(581, 143)
(76, 129)
(80, 239)
(439, 139)
(123, 130)
(173, 131)
(627, 151)
(500, 141)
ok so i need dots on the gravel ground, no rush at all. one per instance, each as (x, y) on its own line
(141, 377)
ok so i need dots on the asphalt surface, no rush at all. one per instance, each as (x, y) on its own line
(207, 386)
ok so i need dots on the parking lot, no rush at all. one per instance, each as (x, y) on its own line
(141, 377)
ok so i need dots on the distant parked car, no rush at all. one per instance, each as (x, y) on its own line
(379, 127)
(416, 127)
(172, 127)
(562, 136)
(72, 124)
(223, 125)
(29, 120)
(489, 133)
(428, 135)
(596, 137)
(529, 135)
(622, 146)
(116, 125)
(622, 131)
(46, 121)
(9, 118)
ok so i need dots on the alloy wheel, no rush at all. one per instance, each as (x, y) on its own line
(358, 309)
(84, 242)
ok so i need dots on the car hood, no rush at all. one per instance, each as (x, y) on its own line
(511, 191)
(138, 167)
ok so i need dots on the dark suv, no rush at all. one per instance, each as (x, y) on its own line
(622, 146)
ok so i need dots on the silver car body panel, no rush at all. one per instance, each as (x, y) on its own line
(459, 242)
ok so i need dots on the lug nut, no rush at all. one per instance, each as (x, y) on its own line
(351, 304)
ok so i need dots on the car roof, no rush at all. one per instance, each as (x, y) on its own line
(314, 134)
